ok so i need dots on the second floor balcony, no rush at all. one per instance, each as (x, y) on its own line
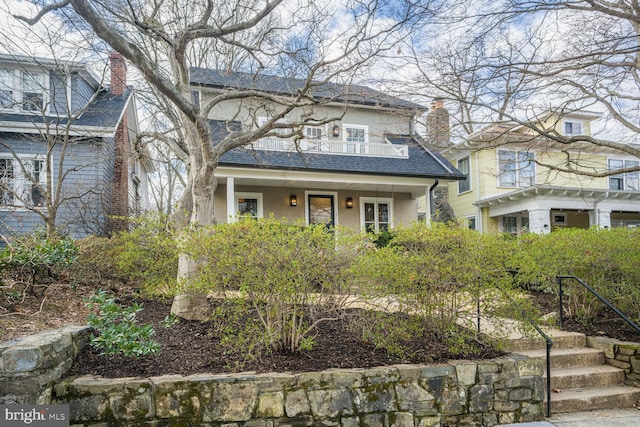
(325, 146)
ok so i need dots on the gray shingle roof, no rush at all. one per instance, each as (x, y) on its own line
(104, 111)
(355, 94)
(422, 162)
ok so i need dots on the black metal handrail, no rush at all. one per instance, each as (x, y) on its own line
(594, 292)
(548, 342)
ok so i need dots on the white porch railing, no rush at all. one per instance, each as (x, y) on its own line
(326, 146)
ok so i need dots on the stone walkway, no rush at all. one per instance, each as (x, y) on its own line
(601, 418)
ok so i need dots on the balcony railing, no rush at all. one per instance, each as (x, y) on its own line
(326, 146)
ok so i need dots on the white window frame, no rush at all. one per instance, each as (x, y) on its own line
(468, 175)
(18, 91)
(365, 128)
(575, 124)
(244, 195)
(626, 178)
(21, 184)
(375, 201)
(313, 129)
(517, 170)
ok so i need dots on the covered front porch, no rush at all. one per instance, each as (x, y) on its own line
(542, 209)
(358, 201)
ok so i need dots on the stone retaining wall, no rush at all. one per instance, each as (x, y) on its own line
(621, 354)
(502, 390)
(30, 366)
(486, 393)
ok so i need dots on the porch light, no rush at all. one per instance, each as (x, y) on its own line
(335, 131)
(293, 200)
(349, 203)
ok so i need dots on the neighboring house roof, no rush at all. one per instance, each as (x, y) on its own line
(421, 162)
(103, 113)
(328, 91)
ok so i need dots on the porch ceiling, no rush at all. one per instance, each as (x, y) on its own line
(559, 193)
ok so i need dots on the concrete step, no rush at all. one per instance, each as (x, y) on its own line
(561, 339)
(591, 399)
(568, 357)
(584, 377)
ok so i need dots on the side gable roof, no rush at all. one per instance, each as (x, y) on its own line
(284, 86)
(421, 163)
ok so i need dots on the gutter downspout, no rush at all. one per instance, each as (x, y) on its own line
(431, 204)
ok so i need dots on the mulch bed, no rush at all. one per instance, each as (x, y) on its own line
(605, 324)
(190, 347)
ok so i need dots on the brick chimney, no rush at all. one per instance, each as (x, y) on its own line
(438, 133)
(120, 187)
(118, 73)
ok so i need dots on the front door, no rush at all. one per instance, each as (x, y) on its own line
(322, 209)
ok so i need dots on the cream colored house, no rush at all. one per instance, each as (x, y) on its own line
(512, 186)
(359, 163)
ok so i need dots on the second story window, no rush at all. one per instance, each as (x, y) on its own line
(313, 132)
(354, 133)
(572, 128)
(516, 169)
(625, 181)
(463, 166)
(23, 90)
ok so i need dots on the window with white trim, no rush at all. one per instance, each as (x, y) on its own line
(471, 222)
(463, 166)
(516, 169)
(249, 205)
(22, 185)
(376, 214)
(313, 132)
(629, 181)
(572, 128)
(23, 90)
(356, 136)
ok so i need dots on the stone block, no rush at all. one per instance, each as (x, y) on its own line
(628, 350)
(607, 345)
(415, 399)
(374, 420)
(381, 375)
(330, 403)
(435, 371)
(410, 372)
(21, 359)
(520, 394)
(379, 398)
(89, 408)
(531, 412)
(350, 422)
(350, 379)
(489, 420)
(488, 368)
(315, 380)
(453, 401)
(506, 406)
(231, 402)
(506, 418)
(480, 399)
(635, 364)
(296, 403)
(429, 421)
(619, 364)
(171, 400)
(401, 419)
(529, 367)
(270, 405)
(466, 373)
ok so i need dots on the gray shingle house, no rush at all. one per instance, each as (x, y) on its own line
(65, 134)
(359, 163)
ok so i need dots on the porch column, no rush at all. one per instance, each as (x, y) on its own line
(428, 204)
(540, 221)
(604, 218)
(231, 200)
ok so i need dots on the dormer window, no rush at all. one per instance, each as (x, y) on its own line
(572, 128)
(24, 90)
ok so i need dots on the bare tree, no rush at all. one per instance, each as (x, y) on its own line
(530, 62)
(301, 39)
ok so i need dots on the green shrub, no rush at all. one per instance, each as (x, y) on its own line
(118, 332)
(290, 275)
(145, 256)
(33, 258)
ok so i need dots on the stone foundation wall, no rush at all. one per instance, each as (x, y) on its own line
(486, 393)
(621, 354)
(30, 366)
